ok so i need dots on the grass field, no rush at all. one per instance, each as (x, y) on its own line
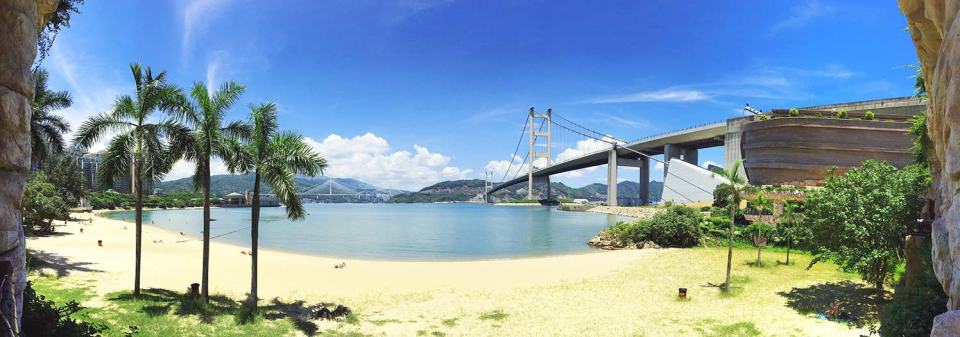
(640, 300)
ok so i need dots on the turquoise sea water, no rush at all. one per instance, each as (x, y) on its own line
(399, 231)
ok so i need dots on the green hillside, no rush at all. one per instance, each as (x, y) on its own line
(465, 190)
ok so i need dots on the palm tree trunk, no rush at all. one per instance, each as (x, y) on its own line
(758, 255)
(205, 278)
(789, 242)
(733, 213)
(254, 237)
(138, 190)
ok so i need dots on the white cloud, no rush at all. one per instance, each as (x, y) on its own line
(92, 95)
(401, 10)
(368, 157)
(183, 169)
(196, 14)
(761, 82)
(213, 72)
(658, 166)
(663, 95)
(620, 121)
(802, 14)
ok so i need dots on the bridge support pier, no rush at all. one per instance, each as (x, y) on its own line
(645, 181)
(672, 151)
(612, 177)
(642, 163)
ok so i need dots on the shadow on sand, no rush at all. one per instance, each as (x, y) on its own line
(158, 302)
(42, 262)
(854, 298)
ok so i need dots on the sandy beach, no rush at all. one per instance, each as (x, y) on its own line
(172, 261)
(607, 293)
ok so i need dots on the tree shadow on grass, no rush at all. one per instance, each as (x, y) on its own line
(42, 262)
(159, 302)
(854, 298)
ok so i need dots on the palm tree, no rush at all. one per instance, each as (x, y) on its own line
(275, 157)
(207, 138)
(46, 129)
(790, 226)
(736, 185)
(137, 149)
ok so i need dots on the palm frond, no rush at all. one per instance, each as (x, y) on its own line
(237, 130)
(280, 178)
(224, 97)
(98, 127)
(116, 159)
(289, 149)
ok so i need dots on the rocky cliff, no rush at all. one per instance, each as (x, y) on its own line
(20, 22)
(935, 30)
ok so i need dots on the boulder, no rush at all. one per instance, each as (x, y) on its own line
(946, 324)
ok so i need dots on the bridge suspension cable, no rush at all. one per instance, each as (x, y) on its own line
(517, 149)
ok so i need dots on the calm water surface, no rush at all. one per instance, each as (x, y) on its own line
(399, 231)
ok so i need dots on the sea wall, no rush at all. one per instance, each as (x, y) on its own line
(935, 30)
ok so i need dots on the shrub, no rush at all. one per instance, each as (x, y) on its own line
(721, 195)
(43, 318)
(763, 117)
(869, 116)
(818, 114)
(794, 112)
(676, 226)
(842, 114)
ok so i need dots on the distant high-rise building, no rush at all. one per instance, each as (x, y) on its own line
(89, 165)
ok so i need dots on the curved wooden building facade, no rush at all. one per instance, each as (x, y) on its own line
(802, 150)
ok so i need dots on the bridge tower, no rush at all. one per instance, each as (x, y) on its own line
(535, 153)
(487, 186)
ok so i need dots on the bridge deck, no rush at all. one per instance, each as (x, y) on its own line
(697, 137)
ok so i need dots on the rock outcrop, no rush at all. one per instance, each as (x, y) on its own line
(607, 241)
(935, 30)
(20, 22)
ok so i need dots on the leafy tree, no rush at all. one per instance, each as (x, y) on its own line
(275, 157)
(205, 139)
(791, 227)
(46, 129)
(858, 218)
(760, 233)
(42, 204)
(737, 182)
(138, 145)
(64, 173)
(721, 195)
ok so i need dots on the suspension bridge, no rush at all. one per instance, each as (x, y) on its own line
(585, 147)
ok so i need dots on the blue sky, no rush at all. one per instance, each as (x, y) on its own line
(404, 93)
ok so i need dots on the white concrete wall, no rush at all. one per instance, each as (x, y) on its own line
(687, 183)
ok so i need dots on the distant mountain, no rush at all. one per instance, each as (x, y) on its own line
(228, 183)
(465, 190)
